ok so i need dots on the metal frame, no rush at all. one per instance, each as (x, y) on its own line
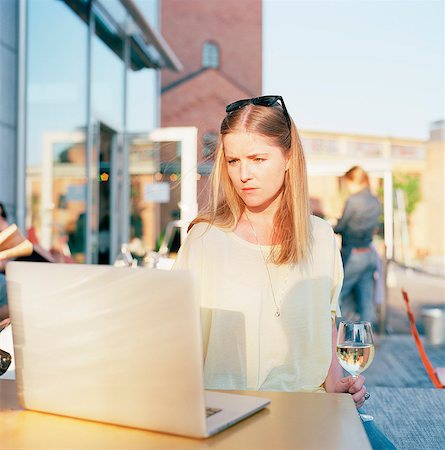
(124, 234)
(168, 58)
(20, 210)
(89, 144)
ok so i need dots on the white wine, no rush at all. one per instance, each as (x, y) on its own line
(355, 358)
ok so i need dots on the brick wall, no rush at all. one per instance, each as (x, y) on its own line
(235, 25)
(200, 102)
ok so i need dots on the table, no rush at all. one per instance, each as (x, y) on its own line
(292, 421)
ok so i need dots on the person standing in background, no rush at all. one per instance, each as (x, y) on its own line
(357, 226)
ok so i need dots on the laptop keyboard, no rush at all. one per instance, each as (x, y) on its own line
(211, 411)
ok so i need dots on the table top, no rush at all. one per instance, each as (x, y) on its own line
(291, 421)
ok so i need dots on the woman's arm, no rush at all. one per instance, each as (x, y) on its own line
(337, 383)
(335, 372)
(345, 218)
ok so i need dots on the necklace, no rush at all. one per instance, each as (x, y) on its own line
(277, 303)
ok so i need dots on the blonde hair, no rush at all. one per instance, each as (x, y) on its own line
(291, 235)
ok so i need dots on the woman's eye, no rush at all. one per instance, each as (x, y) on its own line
(232, 162)
(259, 159)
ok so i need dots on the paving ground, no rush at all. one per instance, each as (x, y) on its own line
(424, 291)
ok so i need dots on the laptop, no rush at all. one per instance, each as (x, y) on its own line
(115, 345)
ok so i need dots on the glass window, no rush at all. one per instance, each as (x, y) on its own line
(57, 106)
(149, 188)
(143, 100)
(209, 142)
(107, 85)
(56, 122)
(210, 55)
(155, 169)
(147, 192)
(107, 114)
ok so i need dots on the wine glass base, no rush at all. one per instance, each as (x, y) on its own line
(366, 417)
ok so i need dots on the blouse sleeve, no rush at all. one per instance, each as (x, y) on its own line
(337, 280)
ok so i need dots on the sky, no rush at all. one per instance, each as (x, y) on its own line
(362, 66)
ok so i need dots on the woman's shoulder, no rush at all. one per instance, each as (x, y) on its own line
(320, 227)
(199, 227)
(198, 243)
(324, 244)
(203, 230)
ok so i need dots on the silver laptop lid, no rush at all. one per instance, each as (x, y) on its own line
(110, 344)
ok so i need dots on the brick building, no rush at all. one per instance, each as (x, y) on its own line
(220, 46)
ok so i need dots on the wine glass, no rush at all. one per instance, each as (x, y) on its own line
(355, 350)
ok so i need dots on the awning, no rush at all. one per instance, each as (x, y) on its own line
(153, 38)
(148, 49)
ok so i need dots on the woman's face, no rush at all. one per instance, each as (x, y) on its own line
(255, 167)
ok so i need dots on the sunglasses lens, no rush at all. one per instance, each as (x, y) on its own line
(236, 105)
(266, 100)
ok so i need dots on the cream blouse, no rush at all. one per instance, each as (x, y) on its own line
(246, 345)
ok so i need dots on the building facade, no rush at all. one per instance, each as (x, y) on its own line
(409, 235)
(220, 45)
(79, 85)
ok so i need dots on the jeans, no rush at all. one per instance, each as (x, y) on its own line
(359, 283)
(376, 438)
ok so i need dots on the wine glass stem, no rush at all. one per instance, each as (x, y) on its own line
(364, 417)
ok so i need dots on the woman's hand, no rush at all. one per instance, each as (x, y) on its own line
(354, 386)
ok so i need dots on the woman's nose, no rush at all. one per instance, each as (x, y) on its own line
(245, 173)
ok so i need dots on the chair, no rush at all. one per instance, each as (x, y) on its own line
(437, 376)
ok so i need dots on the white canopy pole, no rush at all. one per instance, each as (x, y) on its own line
(388, 213)
(187, 137)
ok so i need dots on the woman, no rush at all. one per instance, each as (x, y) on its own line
(270, 273)
(357, 226)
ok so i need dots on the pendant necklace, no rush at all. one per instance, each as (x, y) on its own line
(277, 303)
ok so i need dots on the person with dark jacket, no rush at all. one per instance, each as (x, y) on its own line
(357, 226)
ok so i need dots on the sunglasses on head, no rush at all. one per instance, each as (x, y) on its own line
(265, 100)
